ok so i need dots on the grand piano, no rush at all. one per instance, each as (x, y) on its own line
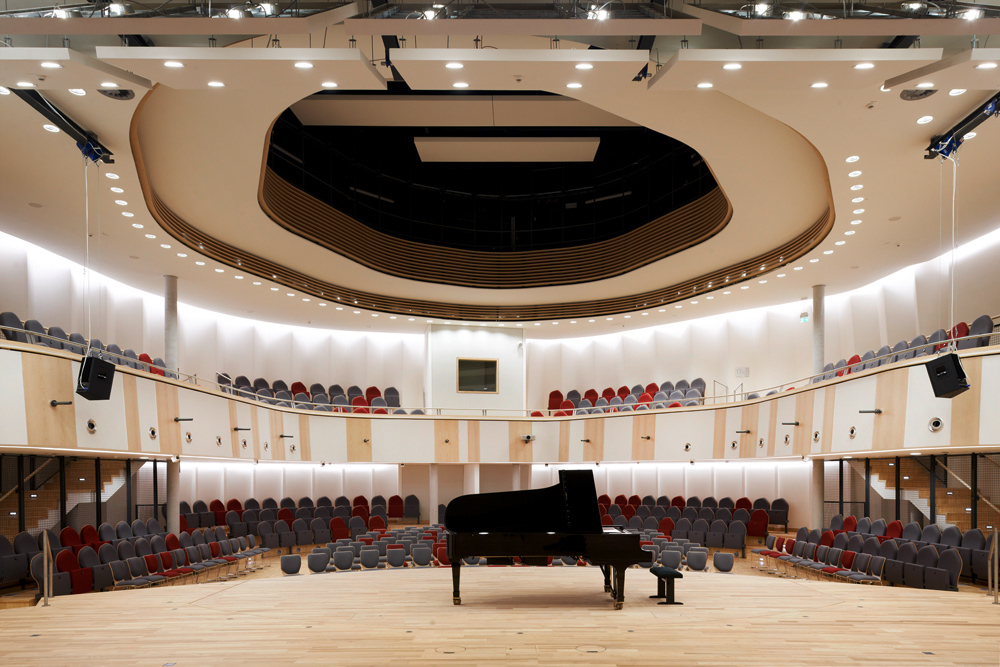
(561, 520)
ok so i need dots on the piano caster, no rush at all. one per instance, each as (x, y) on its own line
(456, 600)
(619, 605)
(607, 589)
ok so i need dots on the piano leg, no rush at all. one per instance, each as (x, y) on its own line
(606, 570)
(455, 574)
(619, 587)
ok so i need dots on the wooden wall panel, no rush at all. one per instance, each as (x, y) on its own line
(473, 441)
(593, 431)
(719, 435)
(802, 434)
(748, 422)
(966, 407)
(167, 407)
(564, 441)
(132, 428)
(891, 397)
(520, 451)
(305, 441)
(45, 379)
(446, 430)
(644, 437)
(829, 406)
(772, 429)
(358, 432)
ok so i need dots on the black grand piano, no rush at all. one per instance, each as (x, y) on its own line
(562, 520)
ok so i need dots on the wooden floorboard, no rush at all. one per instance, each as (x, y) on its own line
(509, 616)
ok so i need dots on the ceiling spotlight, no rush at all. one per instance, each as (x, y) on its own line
(116, 190)
(813, 261)
(968, 135)
(955, 92)
(859, 211)
(460, 84)
(584, 66)
(304, 65)
(48, 65)
(121, 202)
(182, 255)
(50, 128)
(762, 282)
(220, 270)
(732, 66)
(25, 84)
(744, 287)
(864, 66)
(854, 174)
(237, 13)
(797, 268)
(79, 92)
(128, 214)
(849, 232)
(113, 176)
(257, 282)
(329, 84)
(574, 85)
(855, 222)
(858, 200)
(138, 225)
(840, 243)
(979, 66)
(454, 65)
(857, 187)
(923, 120)
(971, 14)
(429, 14)
(795, 16)
(150, 236)
(853, 158)
(165, 246)
(216, 84)
(925, 84)
(200, 263)
(4, 91)
(109, 84)
(820, 84)
(173, 63)
(827, 252)
(705, 85)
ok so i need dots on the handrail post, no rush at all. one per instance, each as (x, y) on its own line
(46, 571)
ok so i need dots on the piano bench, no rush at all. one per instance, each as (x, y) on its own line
(665, 577)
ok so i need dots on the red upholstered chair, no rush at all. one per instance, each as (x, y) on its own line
(744, 504)
(634, 500)
(678, 501)
(892, 531)
(146, 359)
(628, 512)
(652, 388)
(366, 540)
(775, 553)
(360, 500)
(380, 411)
(395, 507)
(361, 511)
(846, 562)
(623, 391)
(234, 505)
(360, 405)
(567, 405)
(220, 512)
(666, 526)
(68, 537)
(960, 330)
(645, 398)
(536, 413)
(607, 520)
(852, 362)
(850, 524)
(621, 500)
(441, 554)
(555, 399)
(561, 413)
(675, 404)
(299, 388)
(603, 509)
(591, 395)
(89, 536)
(170, 566)
(184, 526)
(604, 499)
(376, 523)
(338, 529)
(286, 515)
(758, 524)
(370, 393)
(826, 539)
(608, 393)
(82, 578)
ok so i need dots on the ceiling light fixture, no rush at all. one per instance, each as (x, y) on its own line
(955, 92)
(4, 91)
(182, 255)
(128, 214)
(923, 120)
(329, 84)
(925, 84)
(857, 187)
(150, 236)
(303, 65)
(859, 211)
(584, 66)
(840, 243)
(854, 174)
(138, 225)
(820, 84)
(49, 65)
(852, 158)
(827, 252)
(574, 85)
(121, 202)
(858, 200)
(165, 246)
(968, 135)
(744, 287)
(220, 270)
(797, 268)
(173, 63)
(79, 92)
(460, 84)
(813, 260)
(113, 176)
(865, 66)
(705, 85)
(216, 84)
(732, 66)
(109, 84)
(116, 189)
(855, 222)
(781, 275)
(200, 263)
(849, 232)
(454, 65)
(25, 84)
(979, 66)
(50, 128)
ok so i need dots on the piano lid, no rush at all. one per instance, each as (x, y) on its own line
(568, 507)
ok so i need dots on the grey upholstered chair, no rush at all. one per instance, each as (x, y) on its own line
(291, 564)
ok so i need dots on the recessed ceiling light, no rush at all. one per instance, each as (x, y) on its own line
(609, 318)
(538, 324)
(781, 275)
(165, 246)
(79, 92)
(820, 84)
(853, 158)
(220, 270)
(4, 91)
(49, 65)
(855, 222)
(925, 84)
(587, 320)
(859, 211)
(584, 66)
(128, 214)
(840, 243)
(968, 135)
(827, 252)
(857, 187)
(216, 84)
(705, 85)
(256, 282)
(955, 92)
(138, 225)
(744, 287)
(849, 232)
(678, 306)
(109, 84)
(979, 66)
(329, 84)
(854, 174)
(173, 63)
(460, 84)
(813, 260)
(25, 84)
(238, 277)
(50, 128)
(304, 65)
(116, 189)
(574, 85)
(200, 263)
(709, 297)
(150, 236)
(923, 120)
(121, 202)
(182, 255)
(454, 65)
(797, 268)
(732, 66)
(858, 200)
(865, 66)
(290, 294)
(727, 292)
(113, 176)
(410, 319)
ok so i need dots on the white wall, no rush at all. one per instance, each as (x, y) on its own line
(449, 343)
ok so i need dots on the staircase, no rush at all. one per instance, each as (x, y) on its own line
(42, 511)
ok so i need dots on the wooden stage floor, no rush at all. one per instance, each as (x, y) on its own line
(508, 616)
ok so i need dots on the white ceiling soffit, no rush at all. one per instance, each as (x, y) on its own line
(963, 70)
(506, 149)
(452, 111)
(75, 70)
(348, 68)
(576, 27)
(176, 25)
(870, 27)
(508, 69)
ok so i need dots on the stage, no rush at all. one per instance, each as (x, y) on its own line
(508, 615)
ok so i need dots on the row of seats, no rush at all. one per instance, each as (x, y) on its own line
(32, 331)
(202, 515)
(414, 547)
(972, 545)
(669, 389)
(918, 347)
(777, 510)
(316, 397)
